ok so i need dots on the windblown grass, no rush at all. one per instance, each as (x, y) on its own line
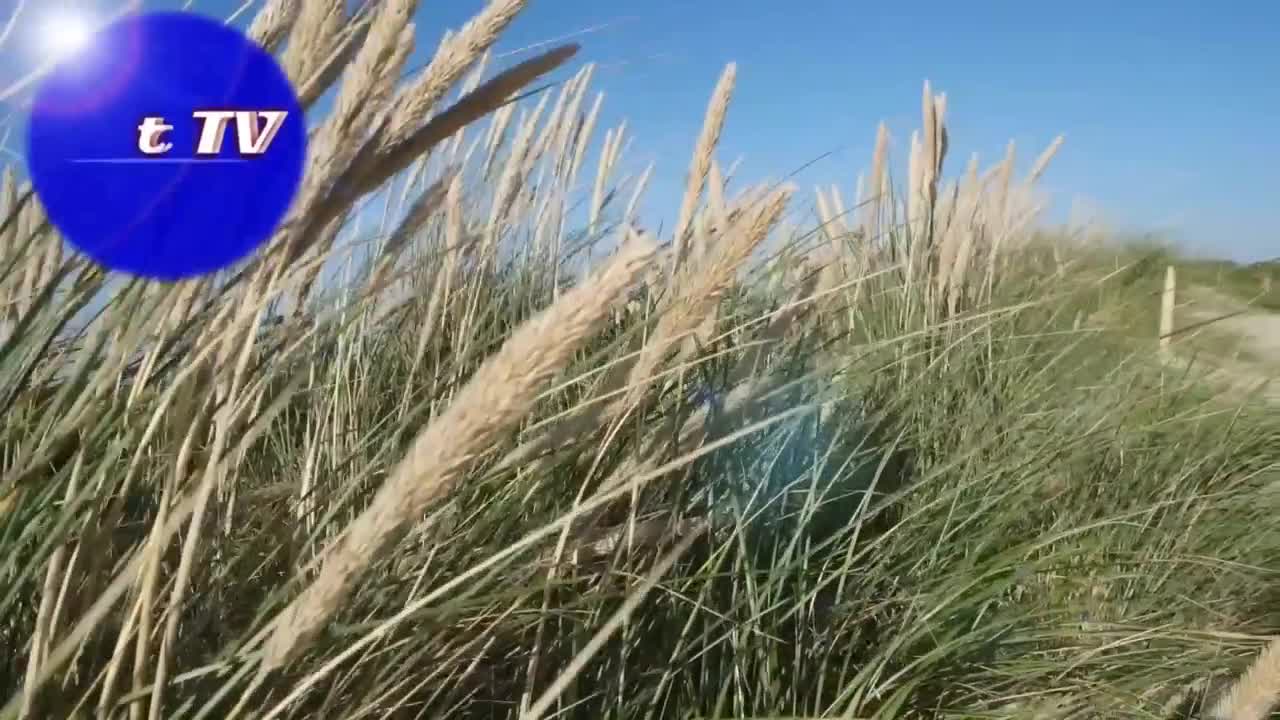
(1256, 284)
(914, 464)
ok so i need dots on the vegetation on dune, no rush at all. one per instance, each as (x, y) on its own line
(522, 457)
(1257, 284)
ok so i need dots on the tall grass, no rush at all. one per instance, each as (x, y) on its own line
(510, 454)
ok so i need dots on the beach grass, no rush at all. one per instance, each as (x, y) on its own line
(507, 451)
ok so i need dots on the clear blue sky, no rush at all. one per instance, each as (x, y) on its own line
(1171, 110)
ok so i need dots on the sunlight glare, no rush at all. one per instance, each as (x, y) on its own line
(64, 33)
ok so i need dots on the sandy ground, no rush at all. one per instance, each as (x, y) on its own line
(1259, 331)
(1243, 342)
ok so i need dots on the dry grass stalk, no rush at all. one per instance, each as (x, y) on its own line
(696, 433)
(231, 366)
(451, 60)
(952, 224)
(129, 571)
(1256, 693)
(318, 213)
(928, 151)
(366, 88)
(629, 214)
(947, 228)
(496, 398)
(562, 114)
(928, 161)
(584, 132)
(423, 208)
(442, 285)
(8, 203)
(378, 165)
(272, 23)
(512, 177)
(626, 382)
(1042, 162)
(837, 232)
(468, 86)
(962, 233)
(878, 184)
(709, 137)
(784, 320)
(717, 206)
(370, 78)
(495, 139)
(315, 30)
(701, 285)
(1004, 184)
(604, 170)
(46, 623)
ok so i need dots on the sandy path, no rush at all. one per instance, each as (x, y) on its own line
(1259, 331)
(1232, 324)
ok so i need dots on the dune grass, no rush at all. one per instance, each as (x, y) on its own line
(1256, 284)
(512, 454)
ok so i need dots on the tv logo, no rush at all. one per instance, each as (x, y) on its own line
(253, 136)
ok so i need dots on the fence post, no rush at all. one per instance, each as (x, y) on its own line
(1166, 308)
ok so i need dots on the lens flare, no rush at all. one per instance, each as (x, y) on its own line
(63, 34)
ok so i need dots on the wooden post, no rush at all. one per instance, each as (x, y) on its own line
(1166, 308)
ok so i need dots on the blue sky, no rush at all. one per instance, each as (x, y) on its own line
(1170, 110)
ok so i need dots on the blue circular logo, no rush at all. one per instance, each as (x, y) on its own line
(171, 146)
